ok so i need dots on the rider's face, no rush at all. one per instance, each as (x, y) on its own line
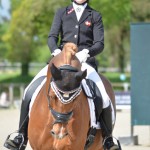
(80, 1)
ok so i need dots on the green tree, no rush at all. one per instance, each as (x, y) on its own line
(28, 30)
(19, 36)
(31, 21)
(116, 17)
(138, 14)
(3, 46)
(4, 22)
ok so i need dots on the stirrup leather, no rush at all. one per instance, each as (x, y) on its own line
(9, 146)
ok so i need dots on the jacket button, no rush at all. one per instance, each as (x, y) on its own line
(75, 36)
(76, 26)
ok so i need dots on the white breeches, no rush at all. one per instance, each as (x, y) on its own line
(93, 75)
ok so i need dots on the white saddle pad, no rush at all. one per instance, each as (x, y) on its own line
(35, 94)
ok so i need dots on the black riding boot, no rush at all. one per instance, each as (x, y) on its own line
(107, 128)
(20, 141)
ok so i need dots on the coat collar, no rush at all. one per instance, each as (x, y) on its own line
(70, 11)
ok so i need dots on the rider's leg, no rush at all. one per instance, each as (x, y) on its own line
(22, 136)
(107, 118)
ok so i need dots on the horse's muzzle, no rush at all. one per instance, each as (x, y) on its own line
(60, 118)
(58, 136)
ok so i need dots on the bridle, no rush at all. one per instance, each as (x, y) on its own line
(64, 97)
(62, 117)
(65, 117)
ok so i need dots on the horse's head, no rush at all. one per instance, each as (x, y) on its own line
(65, 88)
(66, 77)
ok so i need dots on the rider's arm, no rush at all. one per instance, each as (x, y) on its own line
(98, 35)
(98, 39)
(54, 32)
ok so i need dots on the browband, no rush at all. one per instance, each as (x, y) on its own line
(68, 68)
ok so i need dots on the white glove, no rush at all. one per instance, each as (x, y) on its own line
(83, 55)
(56, 52)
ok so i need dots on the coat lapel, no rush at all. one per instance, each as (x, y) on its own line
(85, 14)
(71, 13)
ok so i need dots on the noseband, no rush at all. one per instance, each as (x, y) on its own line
(61, 117)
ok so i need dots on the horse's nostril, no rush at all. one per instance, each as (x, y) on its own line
(52, 132)
(66, 134)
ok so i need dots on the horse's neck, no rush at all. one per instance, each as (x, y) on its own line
(67, 57)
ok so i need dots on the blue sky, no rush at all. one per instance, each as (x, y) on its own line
(4, 9)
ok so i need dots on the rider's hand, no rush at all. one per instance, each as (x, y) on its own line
(56, 52)
(83, 55)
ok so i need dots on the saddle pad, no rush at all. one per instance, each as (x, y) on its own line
(35, 94)
(93, 122)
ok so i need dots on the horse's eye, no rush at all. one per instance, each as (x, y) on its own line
(52, 97)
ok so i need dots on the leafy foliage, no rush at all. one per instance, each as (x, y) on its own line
(116, 18)
(26, 36)
(3, 46)
(29, 28)
(140, 11)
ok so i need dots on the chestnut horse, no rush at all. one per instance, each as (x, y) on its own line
(58, 122)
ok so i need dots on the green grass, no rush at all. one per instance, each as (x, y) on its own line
(114, 77)
(17, 78)
(14, 78)
(7, 78)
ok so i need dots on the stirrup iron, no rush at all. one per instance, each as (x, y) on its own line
(118, 143)
(8, 138)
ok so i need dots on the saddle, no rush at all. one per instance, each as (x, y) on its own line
(96, 97)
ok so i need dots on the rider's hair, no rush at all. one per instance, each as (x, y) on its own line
(86, 0)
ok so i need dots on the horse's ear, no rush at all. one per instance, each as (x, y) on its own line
(56, 73)
(81, 75)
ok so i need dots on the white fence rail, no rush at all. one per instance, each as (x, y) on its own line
(11, 67)
(9, 90)
(8, 66)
